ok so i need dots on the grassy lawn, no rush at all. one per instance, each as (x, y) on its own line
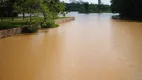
(18, 22)
(9, 25)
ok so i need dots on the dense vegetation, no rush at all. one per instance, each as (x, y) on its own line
(128, 9)
(85, 7)
(35, 8)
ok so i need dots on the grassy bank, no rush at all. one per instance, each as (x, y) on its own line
(11, 24)
(18, 22)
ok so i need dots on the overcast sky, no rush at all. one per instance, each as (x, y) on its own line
(93, 1)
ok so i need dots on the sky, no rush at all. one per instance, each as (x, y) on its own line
(93, 1)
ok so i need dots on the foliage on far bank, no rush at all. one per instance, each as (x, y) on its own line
(85, 7)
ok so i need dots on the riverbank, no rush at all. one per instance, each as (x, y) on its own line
(13, 31)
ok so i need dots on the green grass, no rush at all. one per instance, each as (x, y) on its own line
(6, 25)
(18, 22)
(10, 24)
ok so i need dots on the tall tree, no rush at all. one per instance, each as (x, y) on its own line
(99, 2)
(86, 6)
(2, 8)
(99, 5)
(20, 7)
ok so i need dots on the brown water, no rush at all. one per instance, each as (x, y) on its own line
(93, 47)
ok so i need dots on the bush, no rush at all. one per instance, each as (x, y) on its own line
(49, 24)
(30, 28)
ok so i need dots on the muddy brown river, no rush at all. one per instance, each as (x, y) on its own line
(93, 47)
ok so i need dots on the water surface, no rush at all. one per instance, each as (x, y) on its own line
(93, 47)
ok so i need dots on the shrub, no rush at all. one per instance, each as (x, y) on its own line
(30, 28)
(49, 24)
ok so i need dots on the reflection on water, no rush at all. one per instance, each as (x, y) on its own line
(93, 47)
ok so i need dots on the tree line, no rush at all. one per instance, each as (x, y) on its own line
(85, 7)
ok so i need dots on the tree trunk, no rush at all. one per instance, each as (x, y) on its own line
(99, 5)
(12, 17)
(45, 16)
(23, 16)
(136, 7)
(1, 17)
(30, 16)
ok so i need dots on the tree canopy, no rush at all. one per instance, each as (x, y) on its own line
(128, 8)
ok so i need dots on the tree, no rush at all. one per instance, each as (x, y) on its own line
(2, 8)
(32, 7)
(50, 10)
(20, 7)
(86, 6)
(10, 4)
(128, 8)
(99, 2)
(99, 5)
